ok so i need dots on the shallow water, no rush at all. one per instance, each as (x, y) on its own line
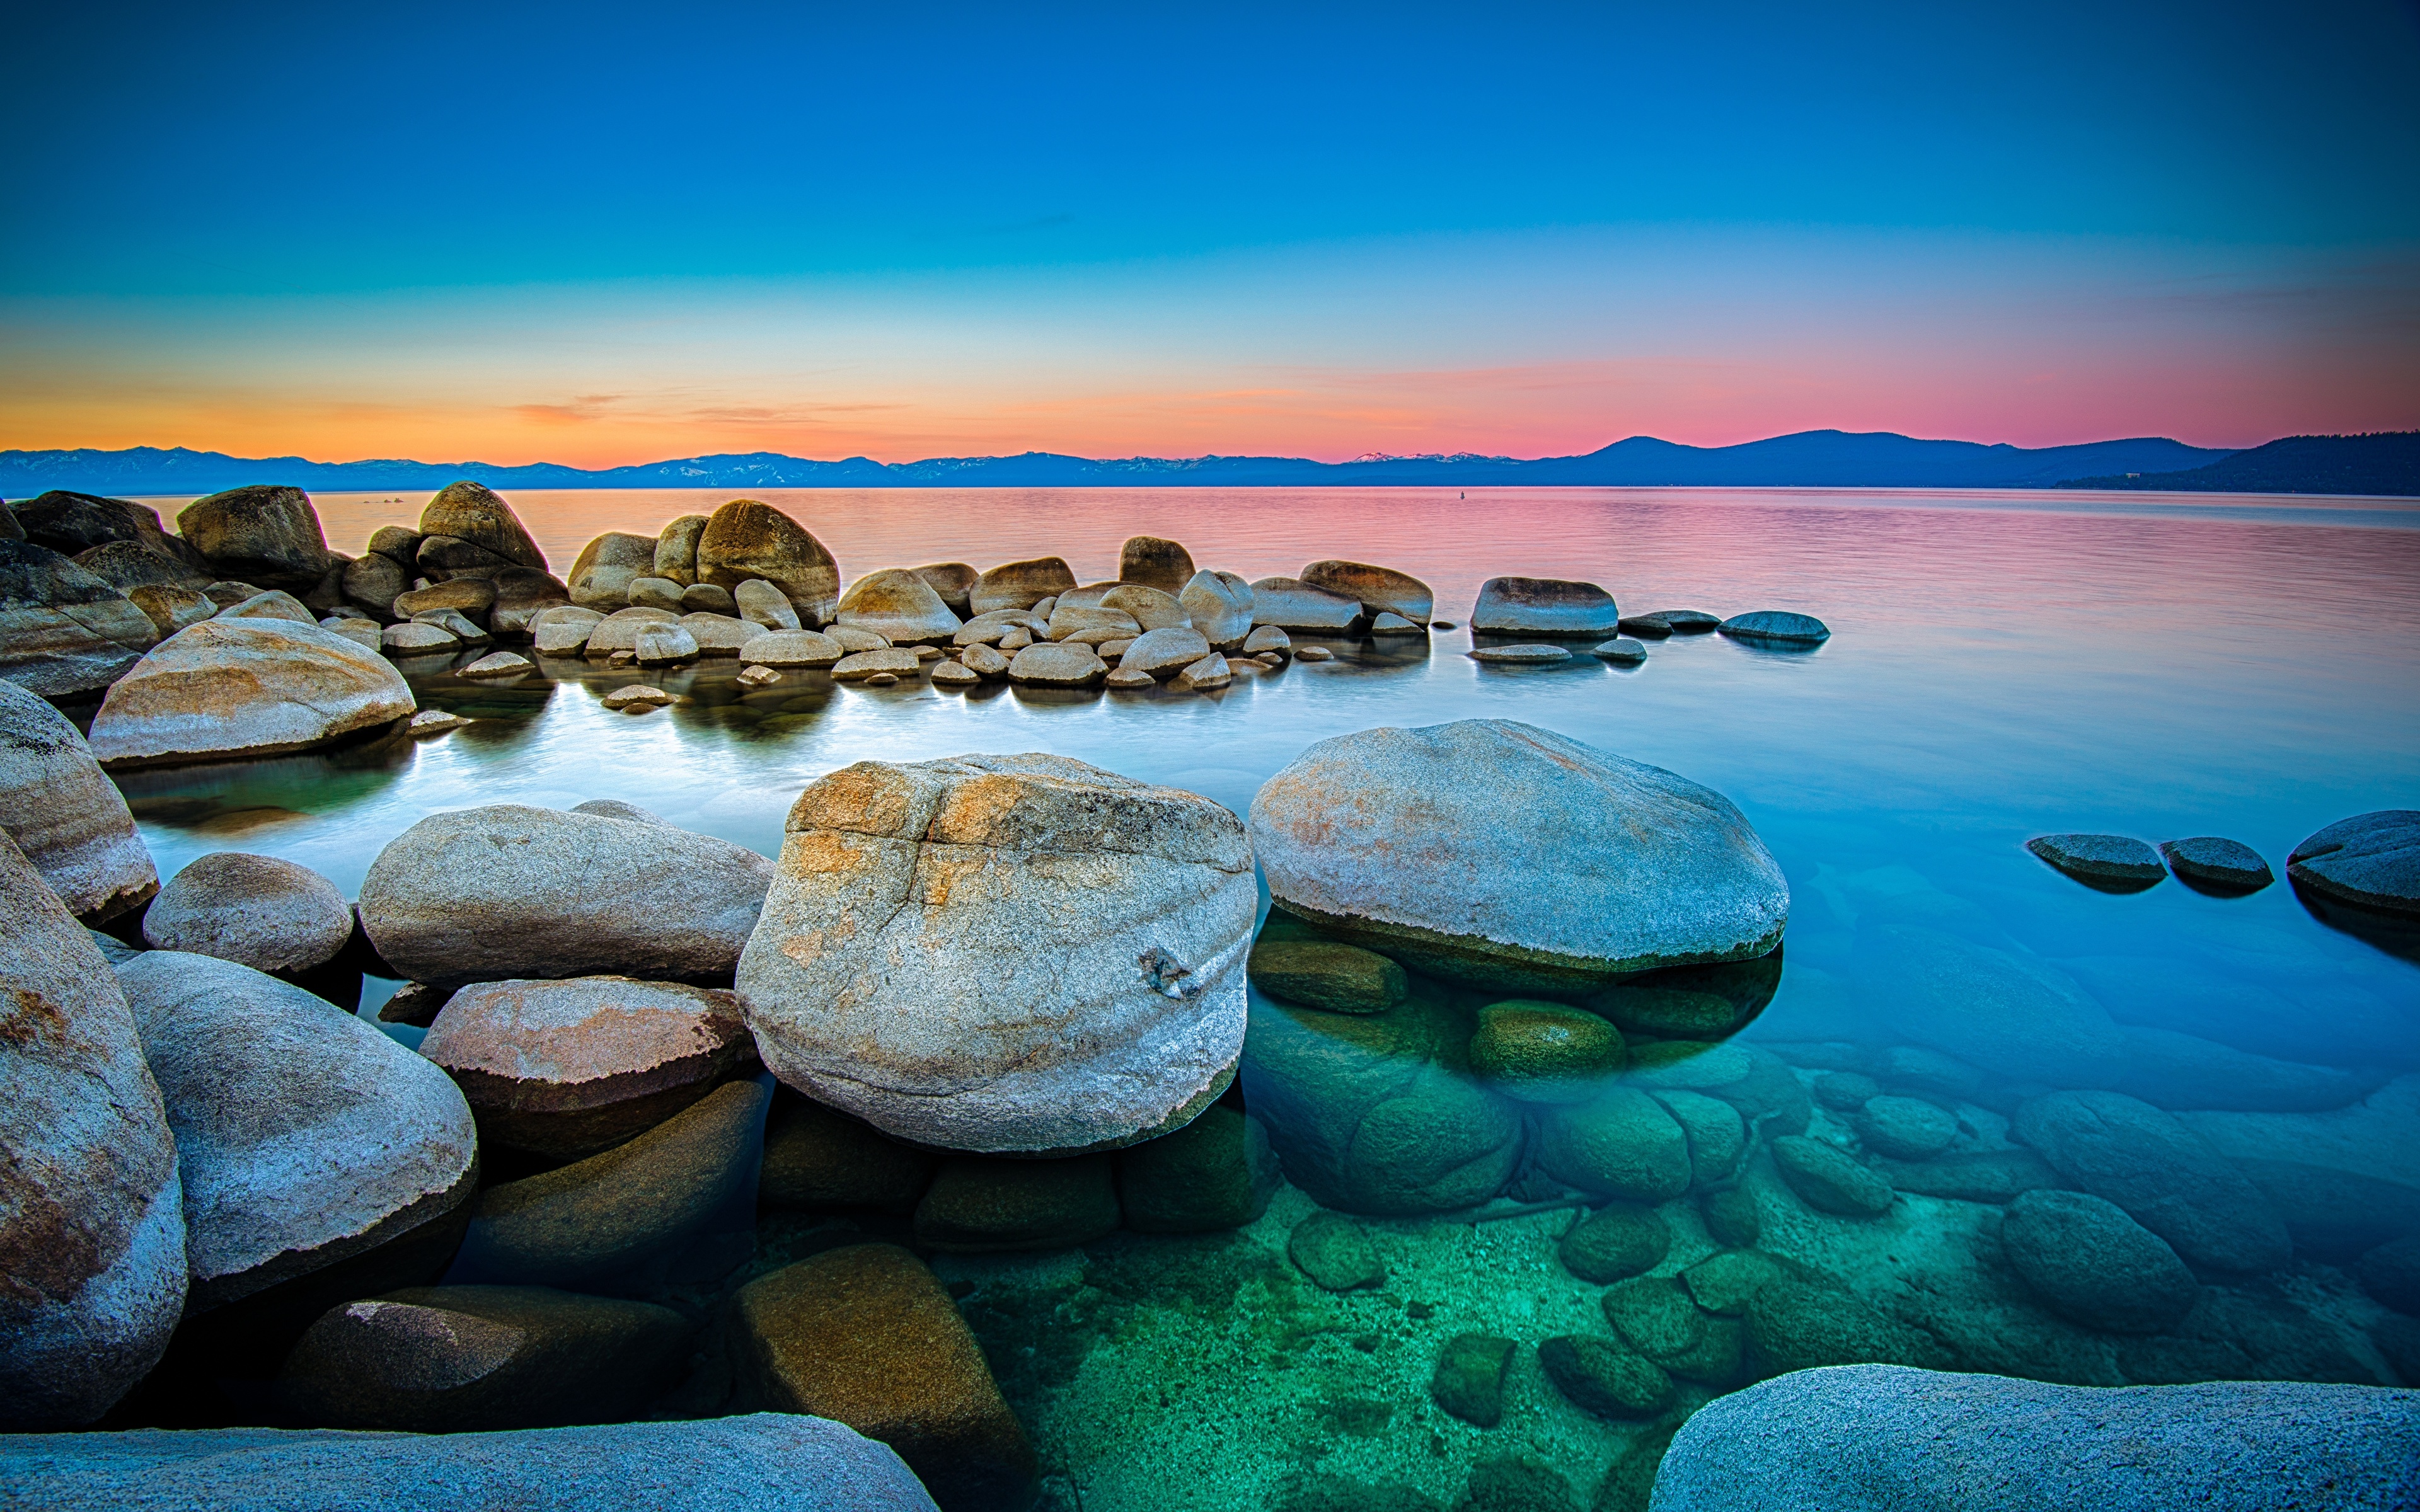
(2000, 666)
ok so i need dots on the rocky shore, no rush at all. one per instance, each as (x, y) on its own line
(995, 1117)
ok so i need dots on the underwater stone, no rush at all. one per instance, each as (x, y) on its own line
(1335, 1252)
(1217, 1172)
(1769, 1097)
(1730, 1215)
(1342, 978)
(865, 1335)
(1870, 1440)
(1630, 1484)
(1904, 1128)
(2212, 863)
(2372, 861)
(1512, 857)
(820, 1157)
(1469, 1378)
(1726, 1283)
(1603, 1379)
(1615, 1242)
(477, 1359)
(1718, 1138)
(1621, 1144)
(1800, 1324)
(1656, 1316)
(2166, 1176)
(2017, 1016)
(1844, 1091)
(2094, 1264)
(1512, 1483)
(979, 1205)
(1521, 655)
(2174, 1070)
(1544, 1052)
(1992, 1176)
(2110, 862)
(2391, 1273)
(1830, 1179)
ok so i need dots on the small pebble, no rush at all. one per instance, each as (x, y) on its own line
(1314, 654)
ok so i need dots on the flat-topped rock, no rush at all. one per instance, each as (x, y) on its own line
(246, 688)
(1056, 665)
(497, 664)
(567, 1067)
(263, 534)
(1869, 1438)
(1045, 894)
(505, 891)
(413, 639)
(1165, 653)
(2211, 863)
(794, 648)
(719, 634)
(1378, 590)
(2112, 863)
(66, 816)
(863, 666)
(2370, 861)
(1506, 855)
(1688, 621)
(1522, 656)
(1291, 604)
(656, 593)
(619, 630)
(92, 1221)
(65, 630)
(1777, 625)
(1544, 607)
(899, 606)
(260, 911)
(1626, 652)
(1020, 584)
(745, 539)
(602, 574)
(1646, 626)
(1212, 673)
(471, 597)
(304, 1136)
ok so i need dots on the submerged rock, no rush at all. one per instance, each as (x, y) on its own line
(565, 1068)
(819, 1157)
(2214, 863)
(2017, 1016)
(2094, 1264)
(2174, 1070)
(2111, 863)
(865, 1335)
(1657, 1317)
(1829, 1180)
(1776, 625)
(1615, 1242)
(1342, 978)
(1803, 1323)
(480, 1359)
(1469, 1378)
(1622, 1144)
(1869, 1439)
(64, 630)
(258, 911)
(2165, 1176)
(1544, 1052)
(767, 1464)
(92, 1224)
(1605, 1379)
(1544, 606)
(246, 688)
(1005, 952)
(1904, 1128)
(506, 891)
(1335, 1252)
(2370, 861)
(66, 818)
(1523, 656)
(304, 1136)
(1215, 1172)
(978, 1205)
(1625, 652)
(1512, 857)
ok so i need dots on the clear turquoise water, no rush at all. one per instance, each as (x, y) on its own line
(2000, 666)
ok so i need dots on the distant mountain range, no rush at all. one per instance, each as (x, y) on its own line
(2381, 462)
(1810, 460)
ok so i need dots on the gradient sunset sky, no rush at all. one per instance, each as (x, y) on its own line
(603, 235)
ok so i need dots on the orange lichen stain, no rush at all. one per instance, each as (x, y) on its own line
(869, 798)
(973, 808)
(938, 877)
(822, 853)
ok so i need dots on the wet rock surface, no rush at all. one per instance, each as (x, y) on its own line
(246, 688)
(2111, 862)
(1543, 607)
(2370, 861)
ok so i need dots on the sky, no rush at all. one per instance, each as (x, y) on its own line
(602, 235)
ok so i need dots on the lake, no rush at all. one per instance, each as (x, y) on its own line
(2000, 666)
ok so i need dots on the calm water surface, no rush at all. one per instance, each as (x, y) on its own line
(2000, 666)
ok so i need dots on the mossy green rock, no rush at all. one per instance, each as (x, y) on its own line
(1470, 1378)
(1730, 1215)
(1802, 1324)
(1335, 1252)
(1379, 1113)
(980, 1205)
(1615, 1243)
(1727, 1282)
(1630, 1484)
(819, 1157)
(1605, 1379)
(1515, 1485)
(1717, 1136)
(1544, 1052)
(1342, 978)
(1217, 1172)
(1620, 1144)
(1701, 1002)
(1655, 1316)
(1829, 1180)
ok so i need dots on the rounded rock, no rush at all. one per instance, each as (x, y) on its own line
(1620, 650)
(2095, 1265)
(1155, 562)
(1905, 1128)
(1222, 607)
(258, 911)
(1544, 606)
(1615, 1243)
(899, 606)
(2212, 863)
(1054, 665)
(654, 593)
(793, 648)
(602, 574)
(1020, 584)
(2370, 861)
(245, 687)
(1539, 1052)
(746, 540)
(1290, 603)
(1777, 626)
(2111, 863)
(66, 816)
(1828, 1180)
(1378, 590)
(1335, 1253)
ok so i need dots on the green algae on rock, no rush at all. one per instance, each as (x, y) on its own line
(1340, 978)
(1544, 1052)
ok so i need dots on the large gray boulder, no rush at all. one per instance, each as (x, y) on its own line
(2166, 1176)
(75, 523)
(1220, 604)
(92, 1220)
(468, 531)
(264, 534)
(900, 607)
(1378, 590)
(2371, 861)
(2015, 1014)
(767, 1462)
(304, 1136)
(1873, 1438)
(1003, 953)
(677, 549)
(246, 688)
(745, 540)
(1155, 562)
(1543, 607)
(66, 816)
(1290, 603)
(260, 911)
(602, 574)
(65, 630)
(1020, 584)
(2094, 1264)
(1514, 857)
(508, 892)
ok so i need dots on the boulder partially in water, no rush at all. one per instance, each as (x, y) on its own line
(478, 517)
(65, 815)
(1020, 584)
(1005, 952)
(2212, 863)
(508, 891)
(979, 1205)
(817, 1157)
(2165, 1176)
(1155, 562)
(602, 574)
(1291, 604)
(1869, 1439)
(1378, 590)
(954, 581)
(1217, 1172)
(2369, 861)
(1780, 626)
(304, 1136)
(2094, 1264)
(263, 534)
(900, 607)
(92, 1221)
(2110, 863)
(1512, 857)
(1222, 607)
(63, 629)
(260, 911)
(248, 688)
(1544, 607)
